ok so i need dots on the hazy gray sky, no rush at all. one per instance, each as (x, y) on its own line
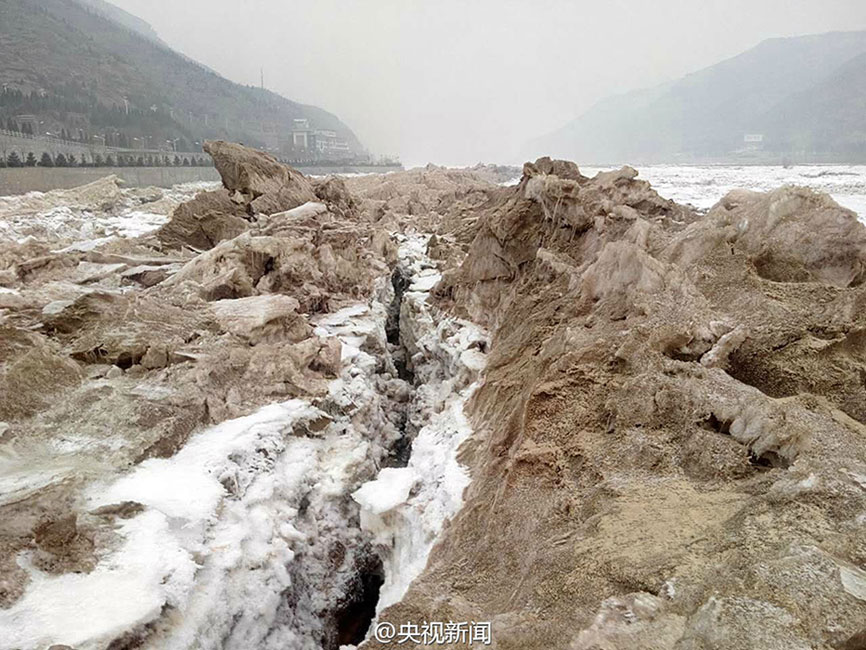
(459, 81)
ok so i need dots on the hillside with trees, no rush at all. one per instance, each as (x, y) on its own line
(76, 69)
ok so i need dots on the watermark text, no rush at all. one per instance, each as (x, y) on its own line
(469, 634)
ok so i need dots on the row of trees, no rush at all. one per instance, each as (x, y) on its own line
(74, 112)
(69, 160)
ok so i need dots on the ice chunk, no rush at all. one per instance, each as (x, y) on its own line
(390, 489)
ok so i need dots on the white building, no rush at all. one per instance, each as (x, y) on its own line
(322, 143)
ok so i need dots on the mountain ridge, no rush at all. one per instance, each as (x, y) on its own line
(707, 113)
(123, 18)
(80, 72)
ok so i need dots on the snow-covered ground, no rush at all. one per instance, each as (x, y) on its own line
(704, 186)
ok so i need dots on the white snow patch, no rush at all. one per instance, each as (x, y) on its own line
(128, 587)
(389, 490)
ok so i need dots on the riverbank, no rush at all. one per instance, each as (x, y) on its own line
(40, 179)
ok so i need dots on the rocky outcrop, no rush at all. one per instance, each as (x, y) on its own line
(668, 417)
(205, 221)
(260, 318)
(829, 247)
(256, 186)
(116, 350)
(257, 181)
(670, 434)
(334, 192)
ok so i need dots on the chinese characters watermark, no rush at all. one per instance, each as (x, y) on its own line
(433, 634)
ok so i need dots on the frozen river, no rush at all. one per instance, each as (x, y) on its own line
(704, 186)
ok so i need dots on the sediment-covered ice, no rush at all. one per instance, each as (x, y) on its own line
(248, 536)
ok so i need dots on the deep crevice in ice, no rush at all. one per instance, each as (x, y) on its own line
(400, 450)
(356, 612)
(400, 282)
(405, 508)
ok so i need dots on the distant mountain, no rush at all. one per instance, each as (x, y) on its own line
(831, 115)
(789, 95)
(88, 70)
